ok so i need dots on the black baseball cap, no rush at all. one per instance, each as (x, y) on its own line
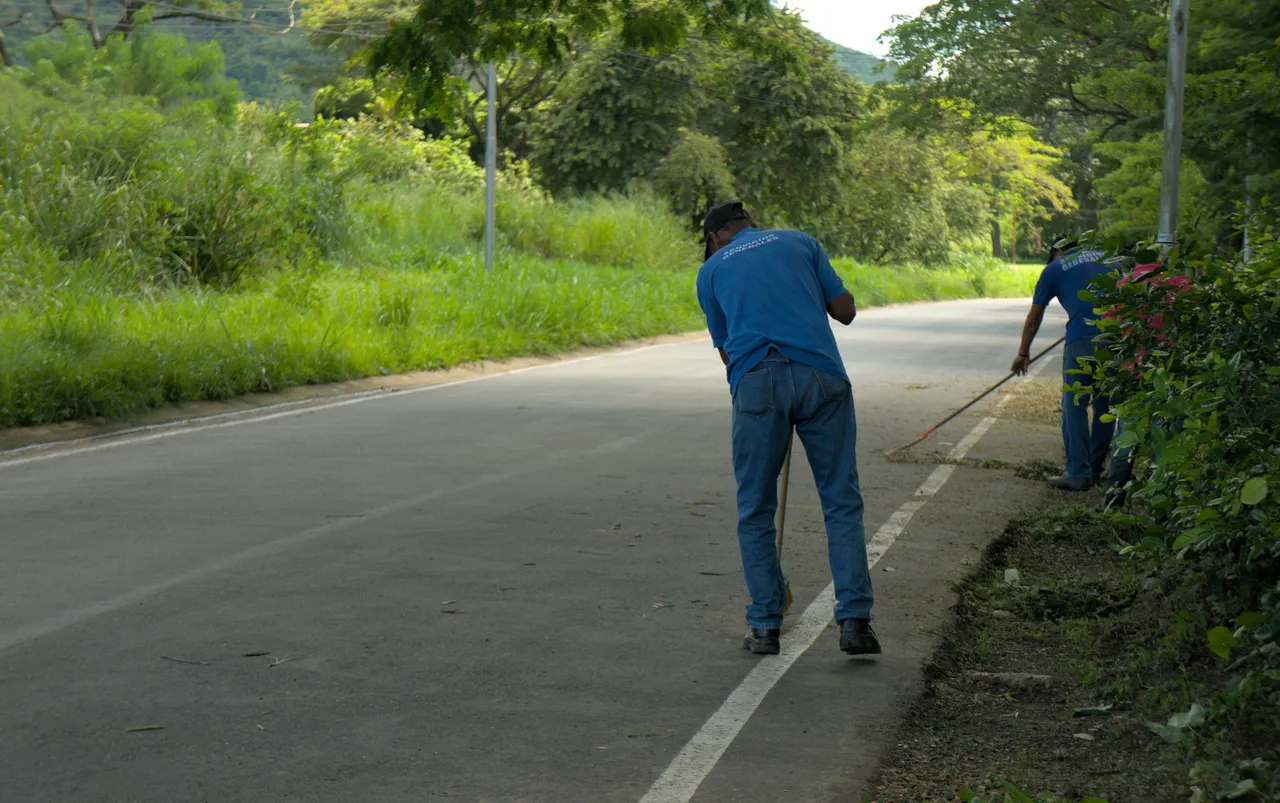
(722, 215)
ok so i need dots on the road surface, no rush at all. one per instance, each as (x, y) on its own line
(524, 588)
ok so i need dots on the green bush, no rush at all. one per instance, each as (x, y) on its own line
(1195, 374)
(150, 64)
(147, 197)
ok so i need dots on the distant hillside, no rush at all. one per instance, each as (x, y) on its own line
(282, 69)
(861, 65)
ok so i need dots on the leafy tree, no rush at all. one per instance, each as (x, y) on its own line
(787, 132)
(37, 17)
(694, 175)
(266, 51)
(425, 49)
(1103, 64)
(1131, 192)
(614, 117)
(151, 64)
(1092, 59)
(898, 200)
(1018, 176)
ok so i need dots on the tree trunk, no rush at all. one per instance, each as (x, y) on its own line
(5, 59)
(996, 250)
(1013, 229)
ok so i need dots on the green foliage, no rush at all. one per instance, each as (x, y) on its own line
(145, 196)
(1002, 791)
(1130, 193)
(1191, 358)
(694, 176)
(1026, 60)
(425, 49)
(897, 201)
(151, 64)
(632, 107)
(875, 284)
(81, 355)
(266, 58)
(1063, 64)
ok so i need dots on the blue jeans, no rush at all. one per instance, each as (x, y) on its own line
(1087, 446)
(772, 398)
(1121, 469)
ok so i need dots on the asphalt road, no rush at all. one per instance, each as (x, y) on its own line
(524, 588)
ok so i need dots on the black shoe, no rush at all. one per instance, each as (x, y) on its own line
(857, 637)
(1066, 483)
(762, 642)
(1114, 499)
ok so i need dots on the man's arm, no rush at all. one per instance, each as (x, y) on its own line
(843, 308)
(717, 323)
(1029, 329)
(841, 305)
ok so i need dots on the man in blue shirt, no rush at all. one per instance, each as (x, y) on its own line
(766, 296)
(1069, 271)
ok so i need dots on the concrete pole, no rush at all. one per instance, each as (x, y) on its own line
(490, 169)
(1174, 88)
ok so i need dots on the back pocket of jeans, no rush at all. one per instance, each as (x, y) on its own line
(755, 393)
(834, 388)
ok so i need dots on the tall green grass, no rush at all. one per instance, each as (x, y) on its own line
(972, 277)
(411, 224)
(81, 356)
(151, 256)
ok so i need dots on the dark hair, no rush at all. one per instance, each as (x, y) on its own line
(1059, 244)
(710, 237)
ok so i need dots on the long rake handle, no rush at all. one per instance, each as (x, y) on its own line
(980, 397)
(784, 479)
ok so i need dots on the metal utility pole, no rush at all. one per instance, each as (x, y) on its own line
(490, 169)
(1173, 121)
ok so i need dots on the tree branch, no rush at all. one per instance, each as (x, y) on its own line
(125, 25)
(90, 10)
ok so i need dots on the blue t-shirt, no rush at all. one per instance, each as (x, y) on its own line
(1063, 279)
(771, 289)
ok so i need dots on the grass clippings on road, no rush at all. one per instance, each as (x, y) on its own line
(1100, 629)
(1038, 401)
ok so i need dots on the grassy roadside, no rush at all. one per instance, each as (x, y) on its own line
(73, 353)
(154, 253)
(104, 356)
(1061, 685)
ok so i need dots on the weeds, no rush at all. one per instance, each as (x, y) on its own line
(171, 247)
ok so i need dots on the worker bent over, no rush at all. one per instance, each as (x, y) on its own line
(766, 296)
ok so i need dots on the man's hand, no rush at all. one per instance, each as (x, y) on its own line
(843, 309)
(1029, 329)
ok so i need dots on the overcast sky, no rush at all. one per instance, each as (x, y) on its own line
(855, 23)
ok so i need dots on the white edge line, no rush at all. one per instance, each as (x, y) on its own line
(695, 761)
(113, 440)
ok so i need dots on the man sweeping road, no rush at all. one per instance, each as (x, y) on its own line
(1069, 271)
(766, 296)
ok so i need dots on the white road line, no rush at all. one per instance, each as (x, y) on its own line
(236, 418)
(698, 758)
